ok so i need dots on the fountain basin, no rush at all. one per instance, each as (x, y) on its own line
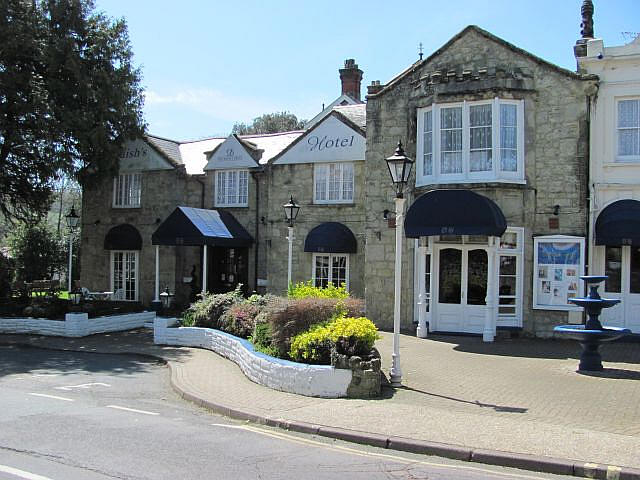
(590, 341)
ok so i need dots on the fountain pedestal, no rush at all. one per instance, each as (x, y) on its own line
(592, 334)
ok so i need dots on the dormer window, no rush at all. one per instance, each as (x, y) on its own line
(471, 142)
(126, 190)
(231, 188)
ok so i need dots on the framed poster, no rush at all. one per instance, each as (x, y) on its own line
(558, 263)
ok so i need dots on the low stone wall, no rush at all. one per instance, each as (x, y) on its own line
(310, 380)
(76, 324)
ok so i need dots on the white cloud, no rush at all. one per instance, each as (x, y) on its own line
(212, 103)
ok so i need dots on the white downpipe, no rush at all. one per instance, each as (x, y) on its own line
(290, 238)
(396, 371)
(157, 297)
(204, 270)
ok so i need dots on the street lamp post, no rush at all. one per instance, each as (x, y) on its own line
(291, 210)
(399, 168)
(72, 219)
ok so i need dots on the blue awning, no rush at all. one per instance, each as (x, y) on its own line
(197, 226)
(619, 224)
(331, 237)
(123, 237)
(454, 212)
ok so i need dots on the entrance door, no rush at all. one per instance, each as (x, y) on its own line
(622, 265)
(227, 269)
(462, 288)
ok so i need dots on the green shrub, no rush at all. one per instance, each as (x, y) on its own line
(207, 311)
(261, 339)
(347, 335)
(307, 289)
(187, 320)
(289, 317)
(239, 319)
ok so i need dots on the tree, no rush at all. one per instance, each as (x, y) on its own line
(69, 99)
(37, 252)
(269, 123)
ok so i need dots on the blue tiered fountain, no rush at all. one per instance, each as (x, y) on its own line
(592, 333)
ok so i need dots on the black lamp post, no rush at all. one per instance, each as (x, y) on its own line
(72, 219)
(399, 168)
(291, 210)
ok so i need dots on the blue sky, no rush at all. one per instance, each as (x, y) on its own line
(207, 64)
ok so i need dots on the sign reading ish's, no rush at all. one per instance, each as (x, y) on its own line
(323, 143)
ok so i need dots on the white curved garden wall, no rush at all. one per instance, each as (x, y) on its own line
(76, 324)
(310, 380)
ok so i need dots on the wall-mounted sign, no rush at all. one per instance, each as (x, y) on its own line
(558, 264)
(137, 155)
(230, 154)
(331, 140)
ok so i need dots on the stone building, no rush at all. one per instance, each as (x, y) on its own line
(497, 217)
(614, 170)
(207, 215)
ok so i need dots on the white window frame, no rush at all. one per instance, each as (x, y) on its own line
(623, 158)
(238, 198)
(331, 256)
(515, 320)
(318, 167)
(493, 175)
(136, 254)
(130, 193)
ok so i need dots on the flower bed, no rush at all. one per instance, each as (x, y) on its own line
(76, 324)
(311, 380)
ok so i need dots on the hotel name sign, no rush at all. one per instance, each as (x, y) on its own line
(320, 143)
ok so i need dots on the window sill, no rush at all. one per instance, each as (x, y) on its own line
(452, 183)
(324, 204)
(232, 206)
(125, 207)
(623, 163)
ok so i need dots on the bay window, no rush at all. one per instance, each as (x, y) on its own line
(232, 188)
(628, 130)
(333, 182)
(471, 142)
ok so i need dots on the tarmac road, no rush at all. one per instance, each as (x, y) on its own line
(69, 415)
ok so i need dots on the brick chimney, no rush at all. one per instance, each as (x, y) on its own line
(351, 76)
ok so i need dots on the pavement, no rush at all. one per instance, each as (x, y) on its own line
(515, 402)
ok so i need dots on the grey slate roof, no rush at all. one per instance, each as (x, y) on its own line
(356, 113)
(169, 148)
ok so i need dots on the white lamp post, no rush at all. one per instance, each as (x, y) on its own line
(72, 219)
(399, 169)
(291, 210)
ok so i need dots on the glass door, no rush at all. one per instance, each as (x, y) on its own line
(622, 266)
(462, 289)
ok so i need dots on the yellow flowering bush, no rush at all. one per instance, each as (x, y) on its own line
(347, 335)
(308, 289)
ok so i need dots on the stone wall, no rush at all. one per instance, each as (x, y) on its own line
(297, 180)
(161, 192)
(556, 150)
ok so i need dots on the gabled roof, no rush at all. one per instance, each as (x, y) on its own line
(356, 114)
(169, 149)
(488, 36)
(353, 116)
(340, 101)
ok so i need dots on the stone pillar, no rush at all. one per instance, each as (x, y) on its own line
(422, 294)
(489, 332)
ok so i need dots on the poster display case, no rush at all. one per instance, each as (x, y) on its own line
(558, 263)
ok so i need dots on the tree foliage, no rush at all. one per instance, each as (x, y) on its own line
(269, 123)
(37, 252)
(69, 98)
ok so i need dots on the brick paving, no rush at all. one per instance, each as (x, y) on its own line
(520, 396)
